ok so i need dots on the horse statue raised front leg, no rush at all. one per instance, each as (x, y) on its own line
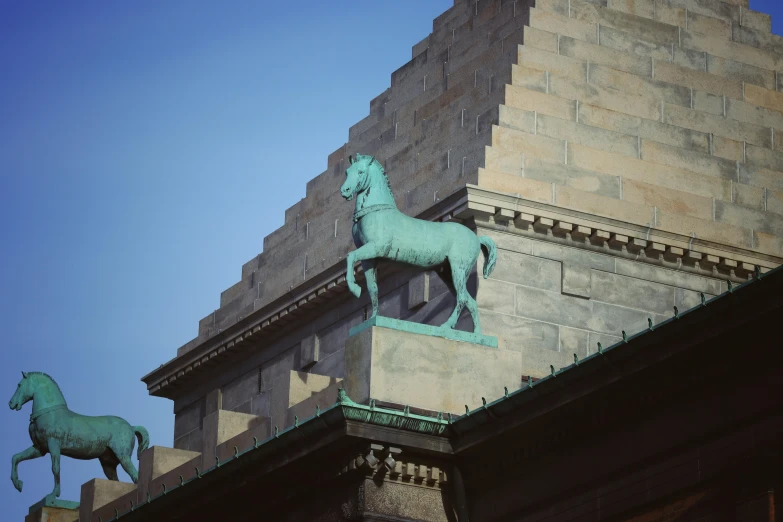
(381, 231)
(56, 430)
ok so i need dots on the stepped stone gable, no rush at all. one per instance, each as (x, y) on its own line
(625, 156)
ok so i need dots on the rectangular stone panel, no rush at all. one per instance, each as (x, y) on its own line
(448, 374)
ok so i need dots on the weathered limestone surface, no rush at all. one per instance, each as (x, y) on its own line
(157, 461)
(427, 372)
(298, 393)
(99, 492)
(221, 426)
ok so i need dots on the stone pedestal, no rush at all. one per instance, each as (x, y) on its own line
(221, 426)
(56, 511)
(427, 372)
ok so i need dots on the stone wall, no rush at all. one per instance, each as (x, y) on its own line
(664, 114)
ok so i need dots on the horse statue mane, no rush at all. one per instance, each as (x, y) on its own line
(56, 430)
(381, 231)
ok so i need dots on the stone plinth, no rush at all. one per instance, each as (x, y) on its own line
(97, 493)
(221, 426)
(298, 393)
(157, 461)
(53, 511)
(427, 372)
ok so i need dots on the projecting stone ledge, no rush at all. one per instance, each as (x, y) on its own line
(424, 371)
(425, 329)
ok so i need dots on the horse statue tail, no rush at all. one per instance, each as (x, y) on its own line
(490, 255)
(144, 439)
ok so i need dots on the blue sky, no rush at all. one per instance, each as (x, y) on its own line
(146, 149)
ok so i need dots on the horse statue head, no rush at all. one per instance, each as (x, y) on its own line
(360, 176)
(23, 394)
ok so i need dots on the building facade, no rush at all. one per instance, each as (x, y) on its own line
(627, 158)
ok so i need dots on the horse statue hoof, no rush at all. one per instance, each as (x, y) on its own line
(18, 484)
(355, 289)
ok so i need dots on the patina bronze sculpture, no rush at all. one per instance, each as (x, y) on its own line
(56, 430)
(381, 231)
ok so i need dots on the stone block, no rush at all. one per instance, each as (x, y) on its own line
(156, 461)
(740, 216)
(539, 39)
(585, 135)
(213, 401)
(608, 98)
(567, 175)
(517, 119)
(309, 351)
(514, 332)
(652, 89)
(649, 172)
(221, 426)
(646, 29)
(293, 388)
(643, 8)
(448, 375)
(703, 229)
(714, 8)
(527, 270)
(639, 214)
(599, 54)
(689, 160)
(643, 128)
(700, 80)
(563, 25)
(763, 158)
(629, 43)
(763, 57)
(741, 72)
(767, 243)
(756, 20)
(418, 290)
(763, 97)
(530, 79)
(709, 25)
(244, 440)
(674, 201)
(521, 98)
(52, 514)
(577, 280)
(728, 149)
(631, 292)
(514, 184)
(539, 146)
(96, 493)
(559, 65)
(716, 124)
(239, 391)
(667, 276)
(758, 39)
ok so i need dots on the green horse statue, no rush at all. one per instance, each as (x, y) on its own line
(56, 430)
(381, 231)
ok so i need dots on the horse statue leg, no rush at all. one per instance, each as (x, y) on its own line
(459, 277)
(369, 267)
(54, 451)
(363, 253)
(28, 454)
